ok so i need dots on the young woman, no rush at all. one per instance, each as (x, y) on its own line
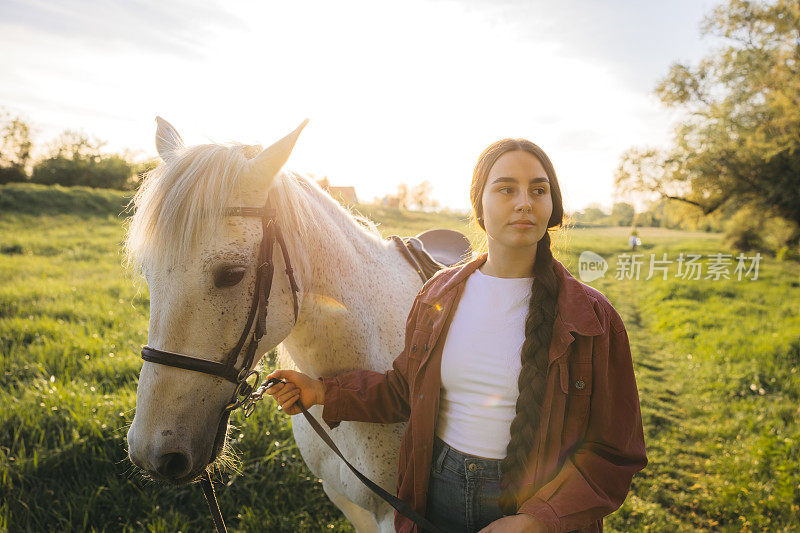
(516, 379)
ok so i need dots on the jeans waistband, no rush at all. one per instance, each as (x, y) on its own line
(445, 456)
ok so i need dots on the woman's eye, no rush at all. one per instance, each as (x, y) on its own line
(540, 190)
(228, 276)
(501, 189)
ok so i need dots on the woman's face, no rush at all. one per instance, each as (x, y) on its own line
(517, 188)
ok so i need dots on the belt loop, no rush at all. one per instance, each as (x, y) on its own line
(442, 454)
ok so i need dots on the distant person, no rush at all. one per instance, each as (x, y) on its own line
(634, 239)
(502, 430)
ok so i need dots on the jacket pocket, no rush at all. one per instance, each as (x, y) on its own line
(419, 342)
(576, 383)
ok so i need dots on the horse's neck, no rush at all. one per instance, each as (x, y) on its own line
(354, 310)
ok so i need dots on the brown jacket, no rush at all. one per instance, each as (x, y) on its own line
(591, 441)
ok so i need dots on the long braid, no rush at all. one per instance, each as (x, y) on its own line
(538, 324)
(531, 383)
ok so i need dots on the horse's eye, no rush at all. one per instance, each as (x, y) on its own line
(228, 276)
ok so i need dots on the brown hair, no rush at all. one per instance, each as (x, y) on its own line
(538, 324)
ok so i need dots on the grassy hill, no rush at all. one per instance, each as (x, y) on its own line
(717, 364)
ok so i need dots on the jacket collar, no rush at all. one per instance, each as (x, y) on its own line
(575, 308)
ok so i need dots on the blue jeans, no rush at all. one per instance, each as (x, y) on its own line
(463, 490)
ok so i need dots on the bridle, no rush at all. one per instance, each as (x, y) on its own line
(243, 395)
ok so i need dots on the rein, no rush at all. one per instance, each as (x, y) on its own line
(245, 395)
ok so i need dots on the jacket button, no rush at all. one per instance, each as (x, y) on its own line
(472, 467)
(580, 384)
(414, 348)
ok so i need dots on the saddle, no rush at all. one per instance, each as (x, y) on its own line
(433, 250)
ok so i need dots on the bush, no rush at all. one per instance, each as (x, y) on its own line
(744, 239)
(785, 253)
(77, 161)
(106, 172)
(12, 173)
(744, 230)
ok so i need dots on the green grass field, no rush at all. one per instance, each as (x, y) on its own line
(717, 364)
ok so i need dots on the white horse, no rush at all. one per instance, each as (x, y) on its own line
(356, 290)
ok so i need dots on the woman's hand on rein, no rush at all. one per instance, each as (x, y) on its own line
(300, 386)
(516, 523)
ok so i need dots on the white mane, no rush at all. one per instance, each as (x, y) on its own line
(180, 205)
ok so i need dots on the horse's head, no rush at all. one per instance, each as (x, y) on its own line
(200, 263)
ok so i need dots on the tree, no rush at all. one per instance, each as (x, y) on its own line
(15, 149)
(593, 214)
(421, 196)
(622, 214)
(740, 143)
(403, 196)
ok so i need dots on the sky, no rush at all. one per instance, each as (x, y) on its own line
(395, 92)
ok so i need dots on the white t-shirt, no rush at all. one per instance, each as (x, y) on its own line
(481, 363)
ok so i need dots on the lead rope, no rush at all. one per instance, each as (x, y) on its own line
(213, 505)
(248, 404)
(401, 506)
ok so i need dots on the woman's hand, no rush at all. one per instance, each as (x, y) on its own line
(300, 386)
(516, 523)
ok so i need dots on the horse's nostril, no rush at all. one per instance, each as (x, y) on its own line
(173, 465)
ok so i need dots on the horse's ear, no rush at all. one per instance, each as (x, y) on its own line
(167, 138)
(263, 168)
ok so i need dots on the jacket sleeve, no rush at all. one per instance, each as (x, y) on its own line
(369, 395)
(595, 480)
